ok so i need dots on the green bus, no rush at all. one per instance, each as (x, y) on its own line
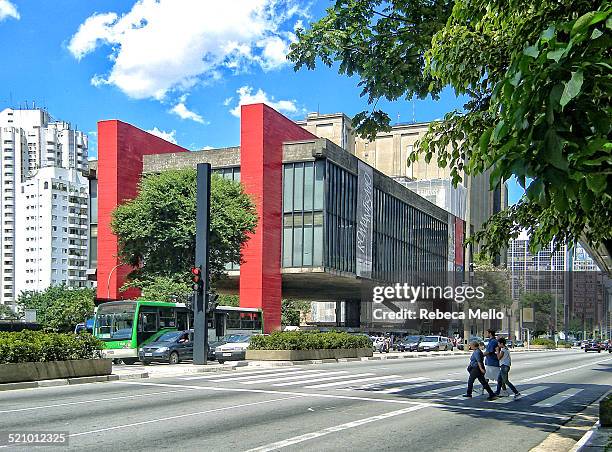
(126, 325)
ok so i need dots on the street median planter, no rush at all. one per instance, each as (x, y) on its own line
(50, 370)
(303, 355)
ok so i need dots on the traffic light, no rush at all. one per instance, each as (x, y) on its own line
(196, 279)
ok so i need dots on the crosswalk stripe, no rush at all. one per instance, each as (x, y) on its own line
(315, 380)
(276, 374)
(526, 392)
(222, 375)
(351, 382)
(558, 398)
(413, 386)
(293, 377)
(448, 389)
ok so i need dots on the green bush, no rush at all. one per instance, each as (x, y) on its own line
(38, 346)
(309, 340)
(549, 343)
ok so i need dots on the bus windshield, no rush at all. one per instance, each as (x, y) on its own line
(115, 321)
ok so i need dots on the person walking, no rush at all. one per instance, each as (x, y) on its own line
(491, 361)
(476, 370)
(505, 362)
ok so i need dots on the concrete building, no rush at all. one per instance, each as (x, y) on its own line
(580, 289)
(389, 154)
(328, 222)
(44, 191)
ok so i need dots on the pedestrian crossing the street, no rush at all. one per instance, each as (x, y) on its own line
(392, 385)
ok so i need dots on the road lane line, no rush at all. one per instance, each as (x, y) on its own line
(525, 393)
(337, 428)
(179, 416)
(293, 383)
(351, 382)
(56, 405)
(303, 373)
(254, 373)
(297, 377)
(558, 398)
(564, 370)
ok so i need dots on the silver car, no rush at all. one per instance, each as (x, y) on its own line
(435, 343)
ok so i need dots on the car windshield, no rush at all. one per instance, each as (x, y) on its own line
(170, 336)
(238, 338)
(114, 321)
(412, 339)
(431, 339)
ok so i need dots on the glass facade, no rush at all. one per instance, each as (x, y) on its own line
(406, 241)
(231, 173)
(303, 214)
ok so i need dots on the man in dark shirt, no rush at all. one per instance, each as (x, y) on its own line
(491, 351)
(476, 370)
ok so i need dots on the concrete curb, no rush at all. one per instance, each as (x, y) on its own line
(70, 381)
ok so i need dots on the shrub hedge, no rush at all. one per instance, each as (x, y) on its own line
(309, 340)
(549, 343)
(38, 346)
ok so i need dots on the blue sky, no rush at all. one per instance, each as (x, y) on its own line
(182, 68)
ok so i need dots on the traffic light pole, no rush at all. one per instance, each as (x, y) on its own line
(200, 305)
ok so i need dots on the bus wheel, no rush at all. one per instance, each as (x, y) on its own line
(174, 358)
(220, 361)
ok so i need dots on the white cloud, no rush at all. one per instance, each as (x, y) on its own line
(7, 10)
(161, 46)
(246, 97)
(168, 136)
(228, 101)
(183, 112)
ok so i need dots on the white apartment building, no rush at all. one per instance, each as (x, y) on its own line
(43, 207)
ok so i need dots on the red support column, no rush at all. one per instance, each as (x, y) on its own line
(121, 147)
(262, 133)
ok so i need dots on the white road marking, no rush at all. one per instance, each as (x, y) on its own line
(237, 373)
(524, 393)
(296, 377)
(303, 373)
(414, 386)
(558, 398)
(398, 401)
(448, 389)
(337, 428)
(179, 416)
(564, 370)
(351, 382)
(315, 380)
(56, 405)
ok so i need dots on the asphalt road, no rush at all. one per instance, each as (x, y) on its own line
(373, 405)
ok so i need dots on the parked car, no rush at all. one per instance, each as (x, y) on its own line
(170, 347)
(519, 344)
(234, 350)
(409, 344)
(434, 343)
(592, 346)
(509, 343)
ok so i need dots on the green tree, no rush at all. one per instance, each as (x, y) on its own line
(228, 300)
(536, 78)
(543, 305)
(7, 313)
(156, 231)
(59, 308)
(291, 311)
(495, 282)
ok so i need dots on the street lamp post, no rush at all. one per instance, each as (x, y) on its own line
(109, 279)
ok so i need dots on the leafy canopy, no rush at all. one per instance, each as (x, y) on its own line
(59, 308)
(156, 231)
(536, 75)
